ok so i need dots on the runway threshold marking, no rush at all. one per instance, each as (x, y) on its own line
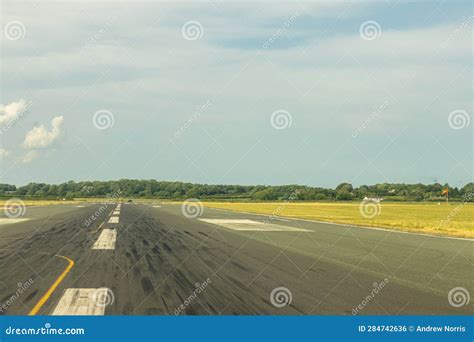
(250, 225)
(53, 287)
(106, 239)
(81, 302)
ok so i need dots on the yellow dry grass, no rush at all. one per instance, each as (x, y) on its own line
(38, 202)
(454, 219)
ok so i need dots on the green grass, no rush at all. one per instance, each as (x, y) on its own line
(455, 219)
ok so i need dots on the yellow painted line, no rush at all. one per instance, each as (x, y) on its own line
(53, 287)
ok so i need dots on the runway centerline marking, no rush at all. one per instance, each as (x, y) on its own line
(250, 225)
(114, 219)
(106, 239)
(53, 287)
(81, 302)
(115, 215)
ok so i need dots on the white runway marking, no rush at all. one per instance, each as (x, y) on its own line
(114, 219)
(81, 302)
(106, 239)
(157, 206)
(116, 212)
(12, 220)
(250, 225)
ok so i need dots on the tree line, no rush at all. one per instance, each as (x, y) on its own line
(179, 190)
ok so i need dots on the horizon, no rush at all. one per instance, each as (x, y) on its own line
(230, 184)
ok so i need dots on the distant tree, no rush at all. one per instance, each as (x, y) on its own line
(319, 197)
(344, 195)
(347, 187)
(467, 192)
(179, 190)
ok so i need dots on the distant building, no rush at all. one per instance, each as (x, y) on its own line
(373, 199)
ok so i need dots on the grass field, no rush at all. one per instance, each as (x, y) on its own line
(37, 202)
(455, 219)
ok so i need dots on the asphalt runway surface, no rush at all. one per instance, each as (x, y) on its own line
(150, 259)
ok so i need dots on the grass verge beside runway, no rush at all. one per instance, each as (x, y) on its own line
(454, 219)
(34, 203)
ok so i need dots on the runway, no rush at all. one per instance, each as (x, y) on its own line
(151, 259)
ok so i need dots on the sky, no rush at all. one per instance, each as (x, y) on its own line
(311, 93)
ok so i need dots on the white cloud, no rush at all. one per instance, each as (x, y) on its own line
(12, 111)
(30, 156)
(40, 137)
(4, 153)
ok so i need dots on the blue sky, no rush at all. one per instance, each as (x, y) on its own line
(390, 104)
